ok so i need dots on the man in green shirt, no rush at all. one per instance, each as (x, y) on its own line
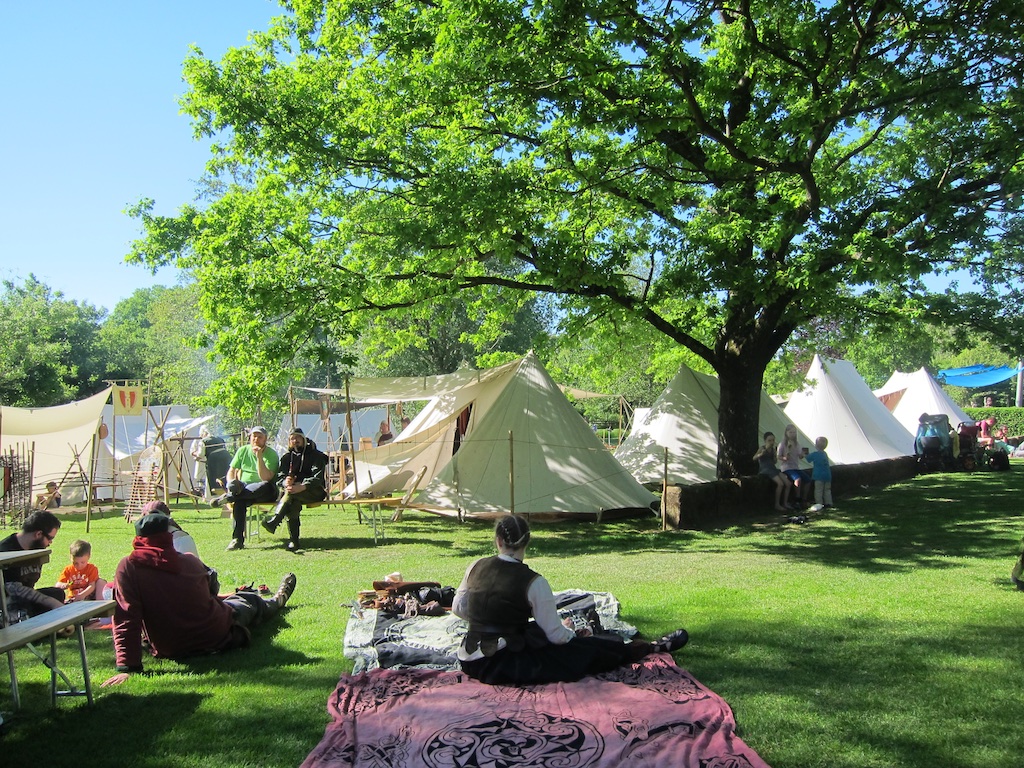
(250, 481)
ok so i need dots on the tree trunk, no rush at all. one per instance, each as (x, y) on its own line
(738, 415)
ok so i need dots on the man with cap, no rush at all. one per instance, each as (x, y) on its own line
(171, 599)
(301, 475)
(250, 481)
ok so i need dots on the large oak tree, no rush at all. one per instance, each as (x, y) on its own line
(722, 172)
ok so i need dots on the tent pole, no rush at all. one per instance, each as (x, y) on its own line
(664, 495)
(93, 451)
(511, 475)
(1020, 383)
(351, 448)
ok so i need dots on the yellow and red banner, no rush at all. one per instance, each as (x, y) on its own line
(127, 401)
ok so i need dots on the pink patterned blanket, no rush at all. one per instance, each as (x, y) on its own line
(650, 714)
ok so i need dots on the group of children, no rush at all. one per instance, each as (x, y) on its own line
(790, 474)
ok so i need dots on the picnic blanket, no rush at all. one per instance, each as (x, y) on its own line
(379, 639)
(648, 714)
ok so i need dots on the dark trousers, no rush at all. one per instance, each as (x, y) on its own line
(250, 609)
(567, 663)
(242, 498)
(293, 506)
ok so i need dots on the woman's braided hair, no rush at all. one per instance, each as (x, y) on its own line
(513, 531)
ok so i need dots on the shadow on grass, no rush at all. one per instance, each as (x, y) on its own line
(913, 695)
(930, 521)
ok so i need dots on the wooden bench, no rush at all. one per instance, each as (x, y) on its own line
(47, 625)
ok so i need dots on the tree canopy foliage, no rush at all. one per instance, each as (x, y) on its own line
(57, 350)
(719, 173)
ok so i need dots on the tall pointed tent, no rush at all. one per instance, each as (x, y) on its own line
(837, 403)
(908, 395)
(491, 441)
(684, 420)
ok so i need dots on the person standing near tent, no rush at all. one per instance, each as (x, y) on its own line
(790, 452)
(250, 481)
(767, 464)
(821, 473)
(198, 452)
(218, 460)
(515, 634)
(302, 476)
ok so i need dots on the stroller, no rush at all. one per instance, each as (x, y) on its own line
(968, 458)
(933, 445)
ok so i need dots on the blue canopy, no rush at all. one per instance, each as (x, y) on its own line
(976, 375)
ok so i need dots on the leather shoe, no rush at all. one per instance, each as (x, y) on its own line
(292, 546)
(219, 501)
(235, 544)
(269, 524)
(672, 642)
(284, 592)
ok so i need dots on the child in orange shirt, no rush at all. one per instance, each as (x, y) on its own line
(81, 579)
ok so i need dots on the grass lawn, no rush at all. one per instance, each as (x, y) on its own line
(885, 633)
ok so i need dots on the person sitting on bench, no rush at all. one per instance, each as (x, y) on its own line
(37, 532)
(250, 481)
(302, 477)
(172, 599)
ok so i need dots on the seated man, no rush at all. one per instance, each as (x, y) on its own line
(171, 598)
(250, 481)
(37, 532)
(302, 476)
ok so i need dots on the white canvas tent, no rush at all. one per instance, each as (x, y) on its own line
(837, 403)
(327, 427)
(491, 441)
(684, 420)
(908, 395)
(62, 436)
(118, 453)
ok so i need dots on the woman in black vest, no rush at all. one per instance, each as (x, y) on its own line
(515, 635)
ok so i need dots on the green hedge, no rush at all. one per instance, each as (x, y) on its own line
(1013, 418)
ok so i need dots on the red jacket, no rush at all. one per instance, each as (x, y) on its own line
(177, 611)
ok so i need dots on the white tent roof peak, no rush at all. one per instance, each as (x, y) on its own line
(498, 439)
(908, 395)
(684, 420)
(837, 403)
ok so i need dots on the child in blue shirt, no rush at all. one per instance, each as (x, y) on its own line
(821, 474)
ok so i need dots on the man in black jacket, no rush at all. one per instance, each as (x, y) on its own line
(302, 475)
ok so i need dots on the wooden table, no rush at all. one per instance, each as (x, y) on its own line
(45, 627)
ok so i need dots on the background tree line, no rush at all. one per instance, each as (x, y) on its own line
(57, 350)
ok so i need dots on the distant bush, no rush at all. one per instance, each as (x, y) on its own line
(1013, 418)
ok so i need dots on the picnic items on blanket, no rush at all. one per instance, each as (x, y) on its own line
(647, 714)
(409, 598)
(390, 639)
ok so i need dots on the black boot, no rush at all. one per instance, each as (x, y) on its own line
(270, 523)
(293, 534)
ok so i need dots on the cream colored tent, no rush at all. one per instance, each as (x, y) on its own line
(65, 453)
(908, 395)
(488, 442)
(62, 436)
(835, 402)
(684, 421)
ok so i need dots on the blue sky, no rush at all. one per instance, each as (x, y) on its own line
(91, 124)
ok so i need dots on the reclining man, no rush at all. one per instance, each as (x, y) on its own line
(250, 481)
(171, 598)
(302, 475)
